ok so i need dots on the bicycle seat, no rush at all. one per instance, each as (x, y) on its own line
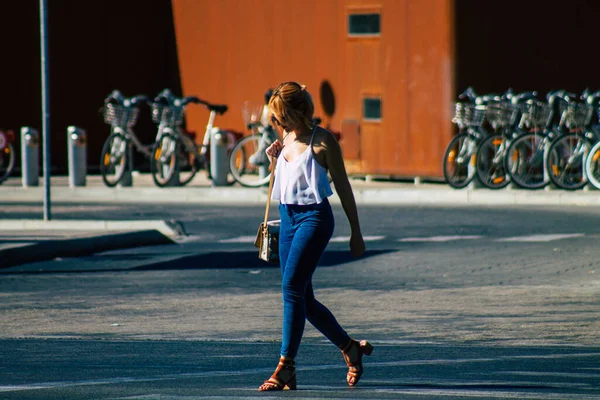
(218, 108)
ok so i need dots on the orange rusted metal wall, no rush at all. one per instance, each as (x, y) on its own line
(233, 50)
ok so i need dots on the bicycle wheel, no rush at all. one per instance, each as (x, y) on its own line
(566, 161)
(188, 160)
(592, 166)
(459, 161)
(490, 162)
(7, 160)
(163, 164)
(114, 159)
(525, 161)
(248, 162)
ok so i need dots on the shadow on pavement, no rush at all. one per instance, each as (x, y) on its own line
(249, 259)
(43, 250)
(213, 260)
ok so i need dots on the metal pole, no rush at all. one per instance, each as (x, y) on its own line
(45, 106)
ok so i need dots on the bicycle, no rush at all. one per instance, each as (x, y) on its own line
(175, 156)
(568, 152)
(502, 117)
(7, 154)
(121, 114)
(460, 154)
(592, 162)
(527, 154)
(248, 161)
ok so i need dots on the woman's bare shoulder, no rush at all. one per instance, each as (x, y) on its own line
(323, 142)
(324, 138)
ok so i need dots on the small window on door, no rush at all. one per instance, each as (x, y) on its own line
(364, 24)
(372, 109)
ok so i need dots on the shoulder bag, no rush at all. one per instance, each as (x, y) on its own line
(267, 237)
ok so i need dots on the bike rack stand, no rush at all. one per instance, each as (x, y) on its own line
(127, 179)
(30, 156)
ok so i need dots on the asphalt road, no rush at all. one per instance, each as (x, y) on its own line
(460, 302)
(106, 369)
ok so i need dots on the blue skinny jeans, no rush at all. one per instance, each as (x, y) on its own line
(303, 236)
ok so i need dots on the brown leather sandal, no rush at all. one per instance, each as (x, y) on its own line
(284, 377)
(353, 353)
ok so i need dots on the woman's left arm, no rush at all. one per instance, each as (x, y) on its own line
(337, 170)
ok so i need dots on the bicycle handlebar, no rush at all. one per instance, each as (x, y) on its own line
(468, 94)
(475, 99)
(554, 94)
(117, 98)
(254, 124)
(590, 98)
(140, 98)
(114, 97)
(518, 98)
(166, 97)
(190, 99)
(486, 98)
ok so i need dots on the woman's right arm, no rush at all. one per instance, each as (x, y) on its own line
(274, 149)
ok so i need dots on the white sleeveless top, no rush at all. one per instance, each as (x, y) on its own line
(303, 181)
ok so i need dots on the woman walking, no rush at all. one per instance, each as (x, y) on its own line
(302, 187)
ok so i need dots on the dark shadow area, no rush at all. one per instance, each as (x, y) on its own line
(527, 45)
(249, 259)
(214, 260)
(94, 48)
(45, 250)
(327, 101)
(327, 98)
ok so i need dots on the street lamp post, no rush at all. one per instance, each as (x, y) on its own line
(45, 106)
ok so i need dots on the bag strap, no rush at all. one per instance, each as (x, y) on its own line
(272, 171)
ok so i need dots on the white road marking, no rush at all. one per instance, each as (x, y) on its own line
(339, 239)
(239, 239)
(540, 238)
(336, 239)
(459, 390)
(439, 238)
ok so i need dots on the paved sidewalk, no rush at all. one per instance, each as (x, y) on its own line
(366, 191)
(26, 241)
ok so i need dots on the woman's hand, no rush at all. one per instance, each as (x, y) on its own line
(357, 245)
(274, 149)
